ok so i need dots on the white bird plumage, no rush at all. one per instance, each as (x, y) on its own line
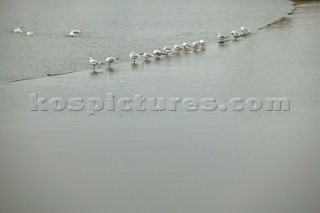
(28, 33)
(76, 31)
(134, 56)
(110, 60)
(146, 55)
(202, 43)
(222, 37)
(18, 30)
(94, 63)
(235, 34)
(196, 45)
(177, 48)
(158, 53)
(72, 34)
(167, 50)
(244, 31)
(186, 46)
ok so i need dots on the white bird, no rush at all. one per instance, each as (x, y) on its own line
(110, 60)
(186, 46)
(18, 30)
(196, 45)
(146, 55)
(177, 48)
(76, 31)
(29, 33)
(158, 53)
(167, 50)
(94, 63)
(72, 34)
(202, 43)
(244, 31)
(134, 56)
(235, 34)
(222, 37)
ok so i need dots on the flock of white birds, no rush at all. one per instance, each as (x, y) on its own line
(176, 49)
(20, 30)
(73, 33)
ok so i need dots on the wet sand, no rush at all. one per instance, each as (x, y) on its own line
(144, 162)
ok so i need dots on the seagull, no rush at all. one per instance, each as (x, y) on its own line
(177, 48)
(158, 53)
(110, 60)
(94, 63)
(18, 30)
(235, 34)
(202, 43)
(186, 46)
(244, 31)
(167, 50)
(196, 45)
(134, 56)
(76, 31)
(147, 55)
(72, 34)
(222, 37)
(29, 33)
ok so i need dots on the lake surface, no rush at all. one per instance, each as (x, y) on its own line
(168, 161)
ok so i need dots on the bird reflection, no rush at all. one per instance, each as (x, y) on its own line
(109, 69)
(134, 66)
(146, 62)
(221, 44)
(157, 60)
(95, 75)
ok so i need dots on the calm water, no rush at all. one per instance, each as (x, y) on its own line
(156, 162)
(114, 28)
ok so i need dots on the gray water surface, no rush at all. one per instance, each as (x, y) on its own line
(143, 162)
